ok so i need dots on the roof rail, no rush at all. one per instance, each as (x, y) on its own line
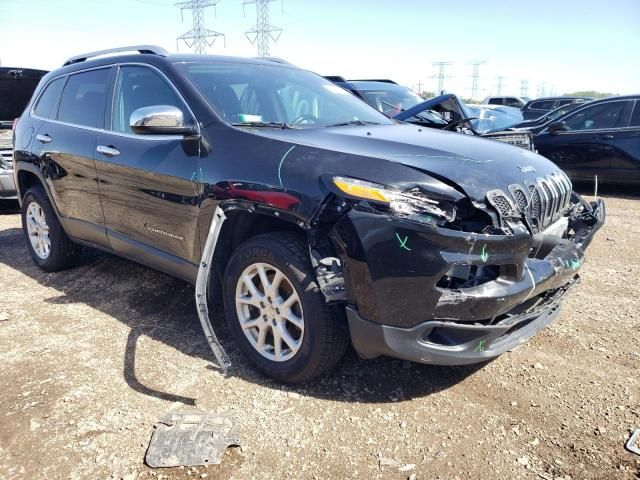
(335, 78)
(381, 80)
(151, 49)
(275, 60)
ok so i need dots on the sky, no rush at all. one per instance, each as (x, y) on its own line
(558, 46)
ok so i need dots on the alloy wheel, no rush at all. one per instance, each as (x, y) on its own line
(38, 230)
(270, 312)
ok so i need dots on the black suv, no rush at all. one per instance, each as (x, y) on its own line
(316, 218)
(601, 138)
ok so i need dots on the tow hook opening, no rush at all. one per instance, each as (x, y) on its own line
(468, 276)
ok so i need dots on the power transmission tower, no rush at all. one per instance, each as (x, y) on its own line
(524, 88)
(441, 66)
(199, 37)
(542, 89)
(499, 81)
(263, 31)
(475, 76)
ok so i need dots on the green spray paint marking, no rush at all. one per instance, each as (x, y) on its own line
(484, 255)
(575, 264)
(281, 162)
(403, 243)
(480, 347)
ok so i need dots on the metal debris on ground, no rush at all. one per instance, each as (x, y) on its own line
(190, 439)
(632, 444)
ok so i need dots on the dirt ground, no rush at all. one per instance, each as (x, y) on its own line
(91, 358)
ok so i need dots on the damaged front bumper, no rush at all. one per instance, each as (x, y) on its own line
(403, 300)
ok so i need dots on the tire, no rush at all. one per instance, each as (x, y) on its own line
(61, 253)
(311, 350)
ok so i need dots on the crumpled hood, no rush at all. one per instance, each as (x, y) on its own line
(475, 164)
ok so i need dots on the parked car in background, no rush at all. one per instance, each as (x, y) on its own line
(444, 112)
(16, 87)
(324, 220)
(541, 106)
(601, 138)
(548, 117)
(517, 102)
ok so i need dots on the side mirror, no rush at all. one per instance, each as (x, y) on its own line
(556, 127)
(158, 120)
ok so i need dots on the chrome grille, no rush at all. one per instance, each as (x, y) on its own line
(541, 202)
(6, 160)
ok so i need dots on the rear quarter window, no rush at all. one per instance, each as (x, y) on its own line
(83, 98)
(48, 101)
(542, 105)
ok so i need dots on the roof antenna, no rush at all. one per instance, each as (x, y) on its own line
(595, 187)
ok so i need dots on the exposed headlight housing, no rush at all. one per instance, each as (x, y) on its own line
(409, 203)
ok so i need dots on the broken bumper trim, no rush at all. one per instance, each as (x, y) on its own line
(451, 343)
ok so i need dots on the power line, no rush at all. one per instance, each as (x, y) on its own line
(263, 32)
(441, 75)
(475, 76)
(199, 37)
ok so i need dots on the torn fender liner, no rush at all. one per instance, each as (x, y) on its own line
(201, 288)
(191, 438)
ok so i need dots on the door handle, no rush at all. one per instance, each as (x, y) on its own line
(606, 136)
(108, 151)
(43, 138)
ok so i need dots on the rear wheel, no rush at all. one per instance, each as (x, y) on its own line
(48, 244)
(276, 312)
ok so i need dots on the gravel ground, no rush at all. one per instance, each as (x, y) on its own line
(93, 357)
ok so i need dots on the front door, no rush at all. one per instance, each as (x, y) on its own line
(149, 183)
(586, 147)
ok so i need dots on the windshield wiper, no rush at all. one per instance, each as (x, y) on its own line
(283, 125)
(395, 107)
(352, 122)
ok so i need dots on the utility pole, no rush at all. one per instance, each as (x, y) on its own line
(441, 66)
(199, 37)
(475, 76)
(499, 80)
(263, 32)
(524, 88)
(419, 85)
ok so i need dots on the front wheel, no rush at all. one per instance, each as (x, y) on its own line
(276, 312)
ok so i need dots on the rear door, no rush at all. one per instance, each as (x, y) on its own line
(625, 164)
(149, 183)
(65, 143)
(586, 148)
(538, 108)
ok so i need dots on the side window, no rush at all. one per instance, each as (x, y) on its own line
(542, 105)
(83, 98)
(635, 118)
(138, 87)
(566, 102)
(495, 101)
(513, 102)
(48, 101)
(605, 115)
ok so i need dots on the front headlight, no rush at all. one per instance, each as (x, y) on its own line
(409, 203)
